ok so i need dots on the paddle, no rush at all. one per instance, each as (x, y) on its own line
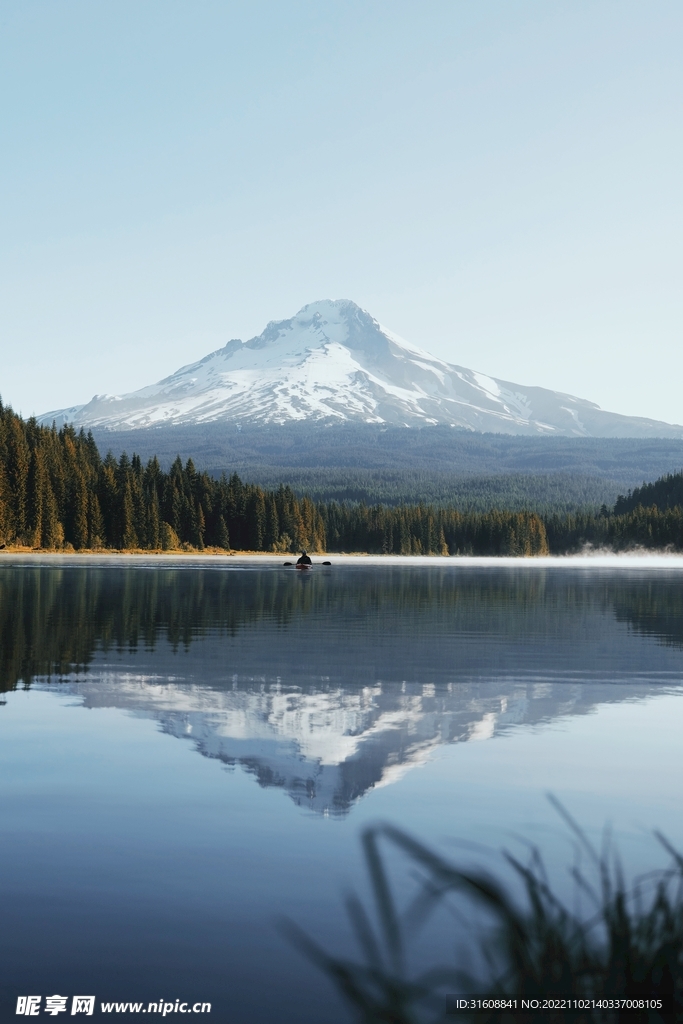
(292, 563)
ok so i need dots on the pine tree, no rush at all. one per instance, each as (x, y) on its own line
(223, 535)
(36, 494)
(140, 517)
(169, 538)
(80, 533)
(4, 485)
(129, 538)
(272, 533)
(18, 459)
(107, 493)
(153, 522)
(200, 527)
(256, 511)
(95, 522)
(52, 530)
(176, 517)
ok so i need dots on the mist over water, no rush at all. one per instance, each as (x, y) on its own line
(189, 752)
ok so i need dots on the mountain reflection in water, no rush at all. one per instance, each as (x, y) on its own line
(341, 681)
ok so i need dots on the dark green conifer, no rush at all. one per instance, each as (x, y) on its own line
(107, 493)
(18, 461)
(256, 510)
(272, 531)
(52, 530)
(223, 535)
(201, 527)
(36, 494)
(153, 532)
(95, 522)
(80, 531)
(129, 538)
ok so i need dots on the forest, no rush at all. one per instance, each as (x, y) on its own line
(665, 493)
(57, 492)
(546, 493)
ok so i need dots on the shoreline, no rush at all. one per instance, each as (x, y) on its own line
(598, 560)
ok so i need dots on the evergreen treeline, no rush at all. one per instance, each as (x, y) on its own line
(57, 492)
(651, 528)
(422, 529)
(667, 492)
(545, 493)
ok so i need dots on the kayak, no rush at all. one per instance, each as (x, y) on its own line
(305, 567)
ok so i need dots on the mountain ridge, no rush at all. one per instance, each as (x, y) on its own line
(334, 363)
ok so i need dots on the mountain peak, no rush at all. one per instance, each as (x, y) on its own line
(333, 362)
(323, 322)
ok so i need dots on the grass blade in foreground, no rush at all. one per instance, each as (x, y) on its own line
(628, 944)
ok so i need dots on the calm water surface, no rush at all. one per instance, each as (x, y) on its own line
(188, 755)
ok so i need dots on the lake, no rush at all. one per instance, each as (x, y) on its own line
(189, 753)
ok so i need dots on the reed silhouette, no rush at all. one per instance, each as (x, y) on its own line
(627, 944)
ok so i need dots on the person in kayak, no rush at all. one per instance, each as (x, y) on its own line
(304, 560)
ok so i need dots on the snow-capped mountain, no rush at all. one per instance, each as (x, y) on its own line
(333, 362)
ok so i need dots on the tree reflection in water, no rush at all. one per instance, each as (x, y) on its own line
(330, 684)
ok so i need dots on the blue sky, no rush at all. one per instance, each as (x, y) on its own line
(498, 182)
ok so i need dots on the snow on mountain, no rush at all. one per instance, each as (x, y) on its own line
(333, 362)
